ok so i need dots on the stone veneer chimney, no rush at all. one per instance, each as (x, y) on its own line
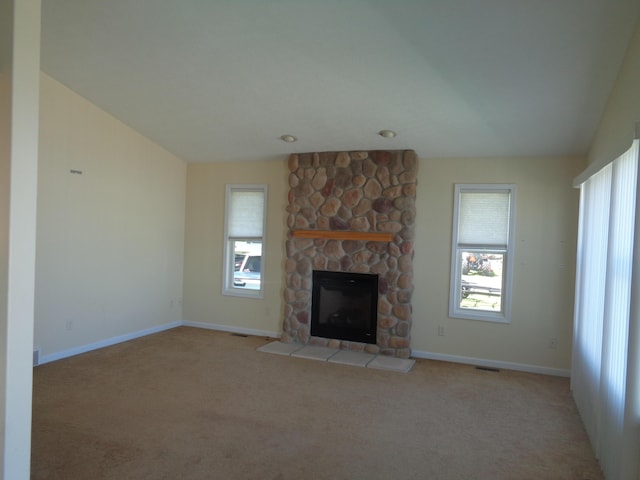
(339, 204)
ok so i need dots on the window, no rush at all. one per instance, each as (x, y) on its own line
(482, 252)
(245, 221)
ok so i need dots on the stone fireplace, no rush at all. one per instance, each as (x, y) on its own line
(352, 212)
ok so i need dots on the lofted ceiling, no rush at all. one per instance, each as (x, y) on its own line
(222, 80)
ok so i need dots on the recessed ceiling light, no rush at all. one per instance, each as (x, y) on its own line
(387, 133)
(288, 138)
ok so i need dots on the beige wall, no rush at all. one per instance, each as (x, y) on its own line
(622, 113)
(545, 238)
(546, 221)
(110, 241)
(203, 301)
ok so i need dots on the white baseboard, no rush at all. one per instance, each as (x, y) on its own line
(558, 372)
(227, 328)
(266, 333)
(108, 342)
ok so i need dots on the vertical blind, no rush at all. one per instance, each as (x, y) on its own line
(589, 300)
(604, 289)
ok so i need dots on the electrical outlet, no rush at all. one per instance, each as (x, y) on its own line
(68, 325)
(441, 330)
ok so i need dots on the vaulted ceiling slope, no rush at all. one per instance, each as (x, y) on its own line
(222, 80)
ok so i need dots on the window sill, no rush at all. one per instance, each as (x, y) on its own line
(257, 294)
(481, 316)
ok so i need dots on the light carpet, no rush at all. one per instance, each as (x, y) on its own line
(195, 404)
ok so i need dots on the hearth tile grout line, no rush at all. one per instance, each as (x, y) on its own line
(318, 352)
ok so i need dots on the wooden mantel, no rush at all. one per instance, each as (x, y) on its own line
(343, 235)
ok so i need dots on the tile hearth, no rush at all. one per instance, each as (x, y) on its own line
(343, 357)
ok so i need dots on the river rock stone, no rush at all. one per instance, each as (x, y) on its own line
(356, 192)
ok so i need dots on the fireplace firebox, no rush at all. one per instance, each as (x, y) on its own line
(344, 306)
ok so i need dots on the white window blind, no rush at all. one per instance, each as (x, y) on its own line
(483, 218)
(590, 287)
(245, 214)
(617, 304)
(604, 295)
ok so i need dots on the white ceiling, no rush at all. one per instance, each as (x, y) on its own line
(216, 80)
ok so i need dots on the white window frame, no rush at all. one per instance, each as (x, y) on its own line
(455, 294)
(229, 255)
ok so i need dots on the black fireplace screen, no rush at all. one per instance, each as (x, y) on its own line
(344, 306)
